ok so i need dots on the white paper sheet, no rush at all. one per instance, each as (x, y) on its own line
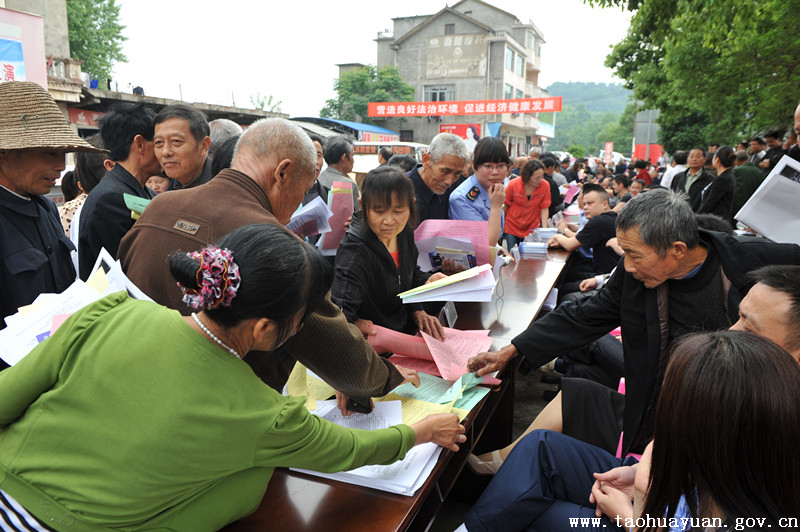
(773, 207)
(404, 476)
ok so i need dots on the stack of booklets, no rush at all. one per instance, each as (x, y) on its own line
(404, 476)
(475, 284)
(534, 250)
(541, 234)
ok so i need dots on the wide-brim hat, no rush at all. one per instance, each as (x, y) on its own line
(31, 120)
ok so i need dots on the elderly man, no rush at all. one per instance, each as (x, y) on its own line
(182, 141)
(548, 477)
(127, 132)
(34, 251)
(272, 169)
(338, 153)
(435, 178)
(676, 279)
(694, 179)
(221, 130)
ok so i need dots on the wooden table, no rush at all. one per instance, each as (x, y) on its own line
(299, 502)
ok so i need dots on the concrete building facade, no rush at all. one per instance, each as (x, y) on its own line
(470, 51)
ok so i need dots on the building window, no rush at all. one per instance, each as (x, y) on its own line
(509, 92)
(406, 135)
(518, 94)
(509, 59)
(439, 93)
(529, 41)
(520, 66)
(449, 29)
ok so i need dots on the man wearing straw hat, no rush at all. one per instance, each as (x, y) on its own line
(34, 251)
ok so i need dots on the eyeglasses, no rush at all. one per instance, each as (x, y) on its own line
(501, 167)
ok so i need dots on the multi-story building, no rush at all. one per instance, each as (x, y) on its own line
(470, 51)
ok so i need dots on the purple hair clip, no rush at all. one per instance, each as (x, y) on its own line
(218, 280)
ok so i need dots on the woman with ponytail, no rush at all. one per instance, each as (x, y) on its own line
(134, 417)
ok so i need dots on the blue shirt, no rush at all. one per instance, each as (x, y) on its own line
(470, 201)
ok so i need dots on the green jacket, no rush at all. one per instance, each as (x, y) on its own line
(127, 418)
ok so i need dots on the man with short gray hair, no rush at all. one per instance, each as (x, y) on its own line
(221, 130)
(273, 167)
(674, 279)
(436, 177)
(338, 153)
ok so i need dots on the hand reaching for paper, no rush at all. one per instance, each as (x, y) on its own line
(428, 324)
(366, 327)
(409, 375)
(342, 400)
(441, 429)
(449, 267)
(485, 363)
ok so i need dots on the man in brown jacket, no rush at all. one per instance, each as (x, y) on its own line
(273, 167)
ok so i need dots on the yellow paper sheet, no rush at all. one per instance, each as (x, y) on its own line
(297, 385)
(98, 281)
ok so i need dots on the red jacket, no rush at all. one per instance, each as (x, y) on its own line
(523, 214)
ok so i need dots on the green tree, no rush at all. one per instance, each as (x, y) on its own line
(619, 132)
(718, 70)
(264, 103)
(577, 151)
(95, 35)
(356, 88)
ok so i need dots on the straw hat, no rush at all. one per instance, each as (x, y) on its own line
(31, 120)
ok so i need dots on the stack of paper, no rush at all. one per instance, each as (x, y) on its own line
(404, 476)
(463, 393)
(541, 234)
(534, 250)
(340, 202)
(311, 219)
(475, 284)
(35, 322)
(772, 209)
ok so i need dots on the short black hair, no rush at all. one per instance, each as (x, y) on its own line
(490, 150)
(758, 140)
(121, 124)
(622, 180)
(680, 157)
(386, 152)
(90, 167)
(713, 222)
(335, 147)
(785, 279)
(402, 161)
(224, 156)
(549, 162)
(726, 156)
(381, 186)
(198, 123)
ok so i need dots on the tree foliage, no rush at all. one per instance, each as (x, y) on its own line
(718, 70)
(356, 88)
(95, 35)
(265, 103)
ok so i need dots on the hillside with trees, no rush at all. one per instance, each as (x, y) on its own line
(592, 114)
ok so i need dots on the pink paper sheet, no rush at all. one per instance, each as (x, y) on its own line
(342, 207)
(451, 357)
(389, 341)
(58, 320)
(423, 366)
(573, 190)
(477, 232)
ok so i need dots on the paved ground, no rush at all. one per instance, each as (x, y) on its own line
(528, 402)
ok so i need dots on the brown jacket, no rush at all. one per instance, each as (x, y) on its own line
(187, 220)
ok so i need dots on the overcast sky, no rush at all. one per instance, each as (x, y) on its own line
(223, 52)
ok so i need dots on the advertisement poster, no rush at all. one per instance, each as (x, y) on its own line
(471, 133)
(12, 63)
(465, 107)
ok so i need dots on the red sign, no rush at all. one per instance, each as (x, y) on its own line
(471, 107)
(608, 155)
(82, 117)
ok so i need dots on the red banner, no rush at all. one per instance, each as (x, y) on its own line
(471, 107)
(82, 117)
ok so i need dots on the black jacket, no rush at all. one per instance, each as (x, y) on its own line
(696, 190)
(717, 197)
(34, 252)
(626, 302)
(105, 218)
(367, 281)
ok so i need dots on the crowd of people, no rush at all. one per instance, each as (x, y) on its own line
(169, 414)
